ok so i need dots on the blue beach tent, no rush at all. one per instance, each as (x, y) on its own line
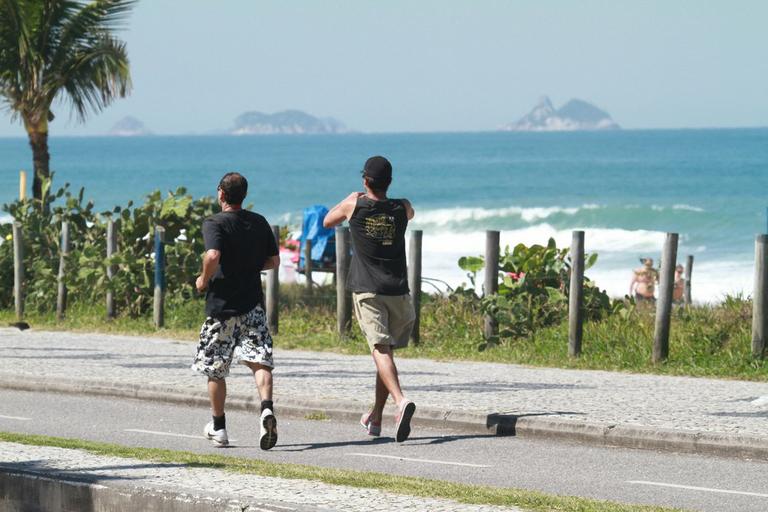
(323, 239)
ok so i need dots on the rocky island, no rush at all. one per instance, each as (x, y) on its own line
(285, 122)
(573, 116)
(129, 127)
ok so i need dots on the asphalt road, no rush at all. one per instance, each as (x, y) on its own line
(691, 482)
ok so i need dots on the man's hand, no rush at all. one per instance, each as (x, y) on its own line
(210, 264)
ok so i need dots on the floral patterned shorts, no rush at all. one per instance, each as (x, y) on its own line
(244, 338)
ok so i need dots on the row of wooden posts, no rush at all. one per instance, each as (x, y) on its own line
(492, 251)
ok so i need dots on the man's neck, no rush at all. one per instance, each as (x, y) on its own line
(375, 196)
(226, 207)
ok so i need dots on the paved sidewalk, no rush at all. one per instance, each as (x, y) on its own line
(679, 413)
(39, 474)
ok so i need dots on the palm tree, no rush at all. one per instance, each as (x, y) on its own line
(54, 52)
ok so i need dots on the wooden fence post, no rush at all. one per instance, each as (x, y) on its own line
(760, 298)
(343, 297)
(22, 185)
(273, 291)
(111, 250)
(414, 280)
(688, 272)
(664, 302)
(576, 295)
(18, 270)
(159, 303)
(61, 296)
(308, 264)
(491, 326)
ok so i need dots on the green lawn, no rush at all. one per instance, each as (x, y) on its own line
(706, 341)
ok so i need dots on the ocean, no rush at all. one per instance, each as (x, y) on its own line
(626, 189)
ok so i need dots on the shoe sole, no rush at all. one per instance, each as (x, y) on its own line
(269, 438)
(404, 425)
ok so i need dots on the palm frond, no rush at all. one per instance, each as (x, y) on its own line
(95, 75)
(62, 49)
(16, 70)
(84, 22)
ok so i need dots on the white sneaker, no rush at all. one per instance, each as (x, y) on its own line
(218, 437)
(268, 437)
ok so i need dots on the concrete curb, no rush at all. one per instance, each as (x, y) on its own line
(627, 436)
(22, 491)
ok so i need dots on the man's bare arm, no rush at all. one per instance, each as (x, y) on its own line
(342, 211)
(272, 262)
(409, 211)
(210, 264)
(633, 284)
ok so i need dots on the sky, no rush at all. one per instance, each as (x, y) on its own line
(438, 65)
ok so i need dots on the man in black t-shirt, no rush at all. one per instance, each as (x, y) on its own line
(378, 279)
(239, 244)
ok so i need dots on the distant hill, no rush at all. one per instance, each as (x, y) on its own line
(285, 122)
(129, 127)
(573, 116)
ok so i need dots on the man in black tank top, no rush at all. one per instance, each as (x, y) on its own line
(378, 279)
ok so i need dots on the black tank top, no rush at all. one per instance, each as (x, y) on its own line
(378, 247)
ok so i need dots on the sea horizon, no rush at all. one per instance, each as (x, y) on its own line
(224, 133)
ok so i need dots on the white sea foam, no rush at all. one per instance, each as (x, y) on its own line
(689, 208)
(597, 239)
(618, 250)
(711, 282)
(445, 216)
(6, 219)
(680, 207)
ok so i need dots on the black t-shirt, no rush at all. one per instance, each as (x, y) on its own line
(378, 244)
(245, 241)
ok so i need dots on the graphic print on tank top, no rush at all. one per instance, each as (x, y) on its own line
(381, 228)
(378, 265)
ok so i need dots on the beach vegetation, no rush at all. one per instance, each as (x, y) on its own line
(533, 290)
(86, 264)
(56, 54)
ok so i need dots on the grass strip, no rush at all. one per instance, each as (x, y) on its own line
(413, 486)
(706, 341)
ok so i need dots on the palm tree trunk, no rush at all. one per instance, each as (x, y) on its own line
(38, 140)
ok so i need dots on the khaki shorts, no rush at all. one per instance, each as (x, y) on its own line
(384, 319)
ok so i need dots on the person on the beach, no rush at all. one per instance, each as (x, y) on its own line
(378, 279)
(678, 290)
(644, 281)
(239, 244)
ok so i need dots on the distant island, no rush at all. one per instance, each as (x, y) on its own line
(129, 127)
(575, 115)
(285, 122)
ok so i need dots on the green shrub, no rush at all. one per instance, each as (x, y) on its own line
(86, 275)
(533, 290)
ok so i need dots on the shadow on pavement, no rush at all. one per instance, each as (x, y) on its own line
(414, 441)
(494, 386)
(506, 424)
(756, 414)
(302, 447)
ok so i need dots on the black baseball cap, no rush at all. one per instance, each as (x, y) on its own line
(377, 167)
